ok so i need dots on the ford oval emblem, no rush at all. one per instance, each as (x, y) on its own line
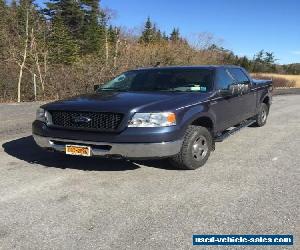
(81, 119)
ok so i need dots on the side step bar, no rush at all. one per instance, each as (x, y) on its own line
(228, 133)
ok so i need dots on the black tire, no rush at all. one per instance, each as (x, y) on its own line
(195, 149)
(261, 117)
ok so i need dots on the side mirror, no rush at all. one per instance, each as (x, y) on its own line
(224, 92)
(96, 86)
(240, 89)
(227, 92)
(234, 89)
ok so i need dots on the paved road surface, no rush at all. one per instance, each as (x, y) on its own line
(250, 185)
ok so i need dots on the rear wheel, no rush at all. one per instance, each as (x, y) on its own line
(195, 150)
(261, 117)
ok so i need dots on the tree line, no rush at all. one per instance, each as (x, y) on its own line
(67, 46)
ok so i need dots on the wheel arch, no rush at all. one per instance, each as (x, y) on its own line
(267, 100)
(207, 122)
(203, 121)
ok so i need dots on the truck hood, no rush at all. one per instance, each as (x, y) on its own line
(124, 102)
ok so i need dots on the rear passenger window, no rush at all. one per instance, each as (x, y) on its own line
(223, 79)
(239, 76)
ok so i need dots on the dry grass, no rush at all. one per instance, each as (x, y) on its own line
(292, 78)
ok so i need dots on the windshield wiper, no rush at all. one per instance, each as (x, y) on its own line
(113, 89)
(172, 90)
(158, 89)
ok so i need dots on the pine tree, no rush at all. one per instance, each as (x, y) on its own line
(2, 4)
(158, 36)
(70, 13)
(148, 34)
(94, 28)
(114, 42)
(175, 35)
(245, 63)
(93, 39)
(63, 48)
(164, 36)
(85, 22)
(3, 27)
(269, 61)
(269, 58)
(112, 34)
(258, 61)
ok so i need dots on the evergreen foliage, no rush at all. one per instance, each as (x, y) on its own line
(62, 47)
(71, 38)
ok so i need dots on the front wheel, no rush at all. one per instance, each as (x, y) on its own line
(195, 149)
(261, 117)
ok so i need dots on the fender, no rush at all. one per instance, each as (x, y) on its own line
(195, 112)
(264, 95)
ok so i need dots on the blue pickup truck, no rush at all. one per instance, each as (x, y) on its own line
(161, 112)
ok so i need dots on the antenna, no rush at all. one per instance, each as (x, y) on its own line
(157, 64)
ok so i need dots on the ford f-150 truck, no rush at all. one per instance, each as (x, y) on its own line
(161, 112)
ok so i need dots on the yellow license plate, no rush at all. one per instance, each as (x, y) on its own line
(78, 150)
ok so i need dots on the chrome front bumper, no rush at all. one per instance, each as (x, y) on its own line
(106, 149)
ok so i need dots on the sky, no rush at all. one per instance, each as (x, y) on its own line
(243, 26)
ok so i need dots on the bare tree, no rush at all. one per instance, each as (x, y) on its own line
(22, 65)
(35, 54)
(106, 47)
(116, 47)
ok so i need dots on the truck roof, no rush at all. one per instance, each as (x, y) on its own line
(191, 67)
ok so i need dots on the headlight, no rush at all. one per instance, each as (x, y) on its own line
(164, 119)
(43, 116)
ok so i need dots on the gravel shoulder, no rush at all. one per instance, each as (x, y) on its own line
(250, 185)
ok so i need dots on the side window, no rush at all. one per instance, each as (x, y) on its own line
(239, 76)
(223, 79)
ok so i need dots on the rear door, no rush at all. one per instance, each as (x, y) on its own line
(226, 109)
(247, 100)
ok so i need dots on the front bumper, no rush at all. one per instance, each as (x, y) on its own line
(107, 149)
(129, 135)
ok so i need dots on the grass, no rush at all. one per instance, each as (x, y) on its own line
(291, 78)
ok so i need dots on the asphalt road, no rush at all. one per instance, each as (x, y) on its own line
(250, 185)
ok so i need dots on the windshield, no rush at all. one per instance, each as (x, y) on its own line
(185, 80)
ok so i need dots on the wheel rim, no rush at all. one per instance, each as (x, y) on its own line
(199, 148)
(263, 115)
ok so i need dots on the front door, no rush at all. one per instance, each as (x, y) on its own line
(247, 100)
(226, 109)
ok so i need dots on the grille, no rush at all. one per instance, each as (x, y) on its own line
(86, 120)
